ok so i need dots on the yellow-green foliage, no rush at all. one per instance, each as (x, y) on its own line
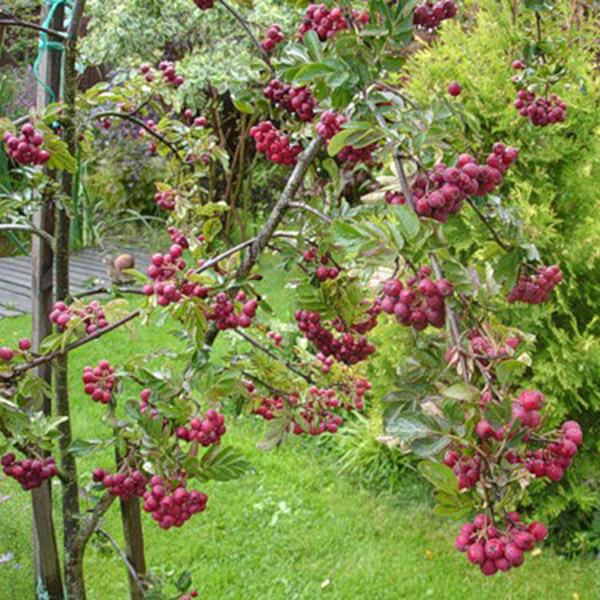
(556, 186)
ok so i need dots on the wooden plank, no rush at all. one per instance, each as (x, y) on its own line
(8, 313)
(12, 300)
(10, 287)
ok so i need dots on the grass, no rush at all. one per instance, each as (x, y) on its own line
(297, 529)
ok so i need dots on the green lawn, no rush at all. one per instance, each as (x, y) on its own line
(296, 529)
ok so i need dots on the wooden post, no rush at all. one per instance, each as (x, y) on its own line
(47, 570)
(133, 534)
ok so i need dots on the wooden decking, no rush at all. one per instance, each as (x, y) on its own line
(86, 270)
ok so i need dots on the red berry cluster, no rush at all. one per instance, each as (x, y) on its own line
(441, 192)
(30, 473)
(124, 485)
(352, 156)
(269, 407)
(556, 458)
(541, 111)
(466, 468)
(26, 149)
(328, 22)
(323, 273)
(495, 550)
(92, 315)
(192, 594)
(146, 405)
(348, 349)
(370, 323)
(204, 4)
(298, 101)
(171, 504)
(164, 270)
(330, 124)
(484, 349)
(205, 432)
(169, 72)
(99, 382)
(166, 200)
(178, 237)
(274, 144)
(314, 414)
(429, 16)
(276, 337)
(274, 38)
(223, 311)
(536, 289)
(326, 361)
(419, 302)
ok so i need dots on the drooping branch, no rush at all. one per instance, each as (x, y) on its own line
(108, 290)
(142, 124)
(234, 249)
(264, 55)
(452, 316)
(274, 356)
(123, 557)
(486, 222)
(310, 209)
(50, 356)
(34, 26)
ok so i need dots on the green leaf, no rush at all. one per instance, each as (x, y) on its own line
(338, 141)
(86, 447)
(510, 370)
(312, 71)
(430, 446)
(408, 426)
(244, 107)
(440, 476)
(407, 220)
(184, 581)
(313, 45)
(224, 464)
(461, 391)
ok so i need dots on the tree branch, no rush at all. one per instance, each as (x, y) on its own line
(452, 317)
(89, 524)
(292, 186)
(32, 229)
(34, 26)
(108, 290)
(123, 556)
(264, 55)
(274, 356)
(485, 221)
(46, 358)
(142, 124)
(310, 209)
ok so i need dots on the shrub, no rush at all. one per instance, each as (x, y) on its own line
(556, 198)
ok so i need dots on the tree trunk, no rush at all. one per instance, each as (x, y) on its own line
(48, 581)
(74, 580)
